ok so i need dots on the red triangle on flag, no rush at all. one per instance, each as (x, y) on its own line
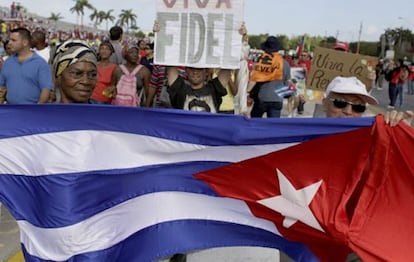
(354, 189)
(303, 189)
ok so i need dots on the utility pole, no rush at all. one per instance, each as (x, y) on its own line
(359, 38)
(383, 39)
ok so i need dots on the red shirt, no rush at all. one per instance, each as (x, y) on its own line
(411, 74)
(288, 59)
(103, 81)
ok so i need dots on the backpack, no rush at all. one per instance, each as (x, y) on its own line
(126, 88)
(388, 75)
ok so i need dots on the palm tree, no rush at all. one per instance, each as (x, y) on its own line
(55, 17)
(127, 18)
(76, 9)
(108, 17)
(95, 18)
(79, 8)
(101, 16)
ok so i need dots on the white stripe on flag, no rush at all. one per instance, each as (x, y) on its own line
(80, 151)
(117, 223)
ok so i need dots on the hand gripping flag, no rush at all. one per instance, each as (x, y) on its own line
(102, 183)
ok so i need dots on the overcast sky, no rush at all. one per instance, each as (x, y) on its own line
(289, 17)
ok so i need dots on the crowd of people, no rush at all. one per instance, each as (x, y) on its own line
(45, 39)
(400, 77)
(154, 84)
(75, 71)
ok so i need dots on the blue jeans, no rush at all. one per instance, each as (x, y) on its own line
(400, 93)
(410, 84)
(272, 109)
(392, 93)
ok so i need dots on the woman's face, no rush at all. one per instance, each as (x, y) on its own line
(105, 51)
(132, 55)
(142, 45)
(77, 82)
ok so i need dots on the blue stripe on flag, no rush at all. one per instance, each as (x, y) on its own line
(184, 235)
(76, 194)
(178, 125)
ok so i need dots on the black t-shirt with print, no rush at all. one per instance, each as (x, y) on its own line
(207, 98)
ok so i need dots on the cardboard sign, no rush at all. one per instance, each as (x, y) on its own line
(298, 74)
(199, 33)
(329, 63)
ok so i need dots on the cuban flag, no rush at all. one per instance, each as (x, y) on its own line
(104, 183)
(301, 44)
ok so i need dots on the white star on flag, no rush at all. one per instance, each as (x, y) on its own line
(294, 203)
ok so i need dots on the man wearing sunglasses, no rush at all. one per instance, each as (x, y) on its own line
(348, 97)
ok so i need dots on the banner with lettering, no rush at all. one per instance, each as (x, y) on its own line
(329, 63)
(199, 33)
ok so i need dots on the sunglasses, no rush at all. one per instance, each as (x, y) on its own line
(357, 108)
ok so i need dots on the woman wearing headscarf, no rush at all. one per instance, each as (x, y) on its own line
(75, 71)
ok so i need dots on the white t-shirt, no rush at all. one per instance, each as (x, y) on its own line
(44, 53)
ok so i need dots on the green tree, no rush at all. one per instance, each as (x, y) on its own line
(311, 42)
(127, 18)
(76, 9)
(79, 9)
(402, 40)
(284, 41)
(108, 17)
(137, 33)
(95, 18)
(256, 40)
(55, 17)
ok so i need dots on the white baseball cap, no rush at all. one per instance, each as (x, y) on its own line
(350, 85)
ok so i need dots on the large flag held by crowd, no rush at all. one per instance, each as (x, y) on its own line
(98, 183)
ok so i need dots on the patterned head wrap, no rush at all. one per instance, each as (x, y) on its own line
(71, 52)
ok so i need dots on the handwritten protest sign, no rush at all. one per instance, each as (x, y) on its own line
(329, 63)
(199, 33)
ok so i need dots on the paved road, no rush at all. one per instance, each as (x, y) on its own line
(9, 233)
(382, 96)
